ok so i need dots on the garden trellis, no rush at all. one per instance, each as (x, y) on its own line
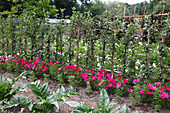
(89, 44)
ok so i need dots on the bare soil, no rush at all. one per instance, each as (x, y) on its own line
(89, 99)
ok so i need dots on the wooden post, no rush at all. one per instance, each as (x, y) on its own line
(20, 41)
(113, 52)
(48, 48)
(104, 46)
(161, 59)
(42, 42)
(7, 40)
(92, 51)
(3, 41)
(78, 36)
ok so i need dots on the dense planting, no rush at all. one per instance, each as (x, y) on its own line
(125, 56)
(139, 90)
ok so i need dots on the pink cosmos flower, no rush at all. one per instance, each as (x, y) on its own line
(110, 84)
(66, 67)
(120, 84)
(92, 72)
(125, 80)
(151, 86)
(119, 73)
(59, 69)
(147, 84)
(73, 67)
(157, 83)
(79, 69)
(136, 80)
(99, 77)
(167, 88)
(13, 60)
(162, 90)
(148, 92)
(119, 78)
(84, 76)
(114, 85)
(164, 95)
(51, 63)
(93, 78)
(112, 80)
(141, 91)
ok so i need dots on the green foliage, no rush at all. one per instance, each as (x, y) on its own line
(124, 109)
(72, 81)
(136, 97)
(17, 100)
(83, 108)
(38, 90)
(104, 106)
(156, 103)
(38, 8)
(7, 90)
(89, 88)
(97, 8)
(47, 101)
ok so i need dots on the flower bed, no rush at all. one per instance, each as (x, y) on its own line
(139, 90)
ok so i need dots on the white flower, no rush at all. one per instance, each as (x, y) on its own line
(154, 65)
(140, 43)
(136, 67)
(138, 62)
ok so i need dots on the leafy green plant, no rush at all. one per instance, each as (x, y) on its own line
(72, 81)
(89, 88)
(7, 90)
(104, 106)
(47, 101)
(124, 109)
(17, 100)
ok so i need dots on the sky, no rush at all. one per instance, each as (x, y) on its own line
(127, 1)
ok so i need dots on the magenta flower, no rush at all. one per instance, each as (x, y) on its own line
(110, 84)
(125, 80)
(119, 73)
(164, 95)
(141, 91)
(114, 85)
(13, 60)
(79, 69)
(151, 86)
(136, 80)
(73, 67)
(57, 62)
(167, 88)
(59, 69)
(157, 83)
(84, 76)
(93, 78)
(162, 90)
(120, 84)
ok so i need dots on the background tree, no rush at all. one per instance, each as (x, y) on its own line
(67, 5)
(38, 8)
(5, 5)
(97, 8)
(114, 8)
